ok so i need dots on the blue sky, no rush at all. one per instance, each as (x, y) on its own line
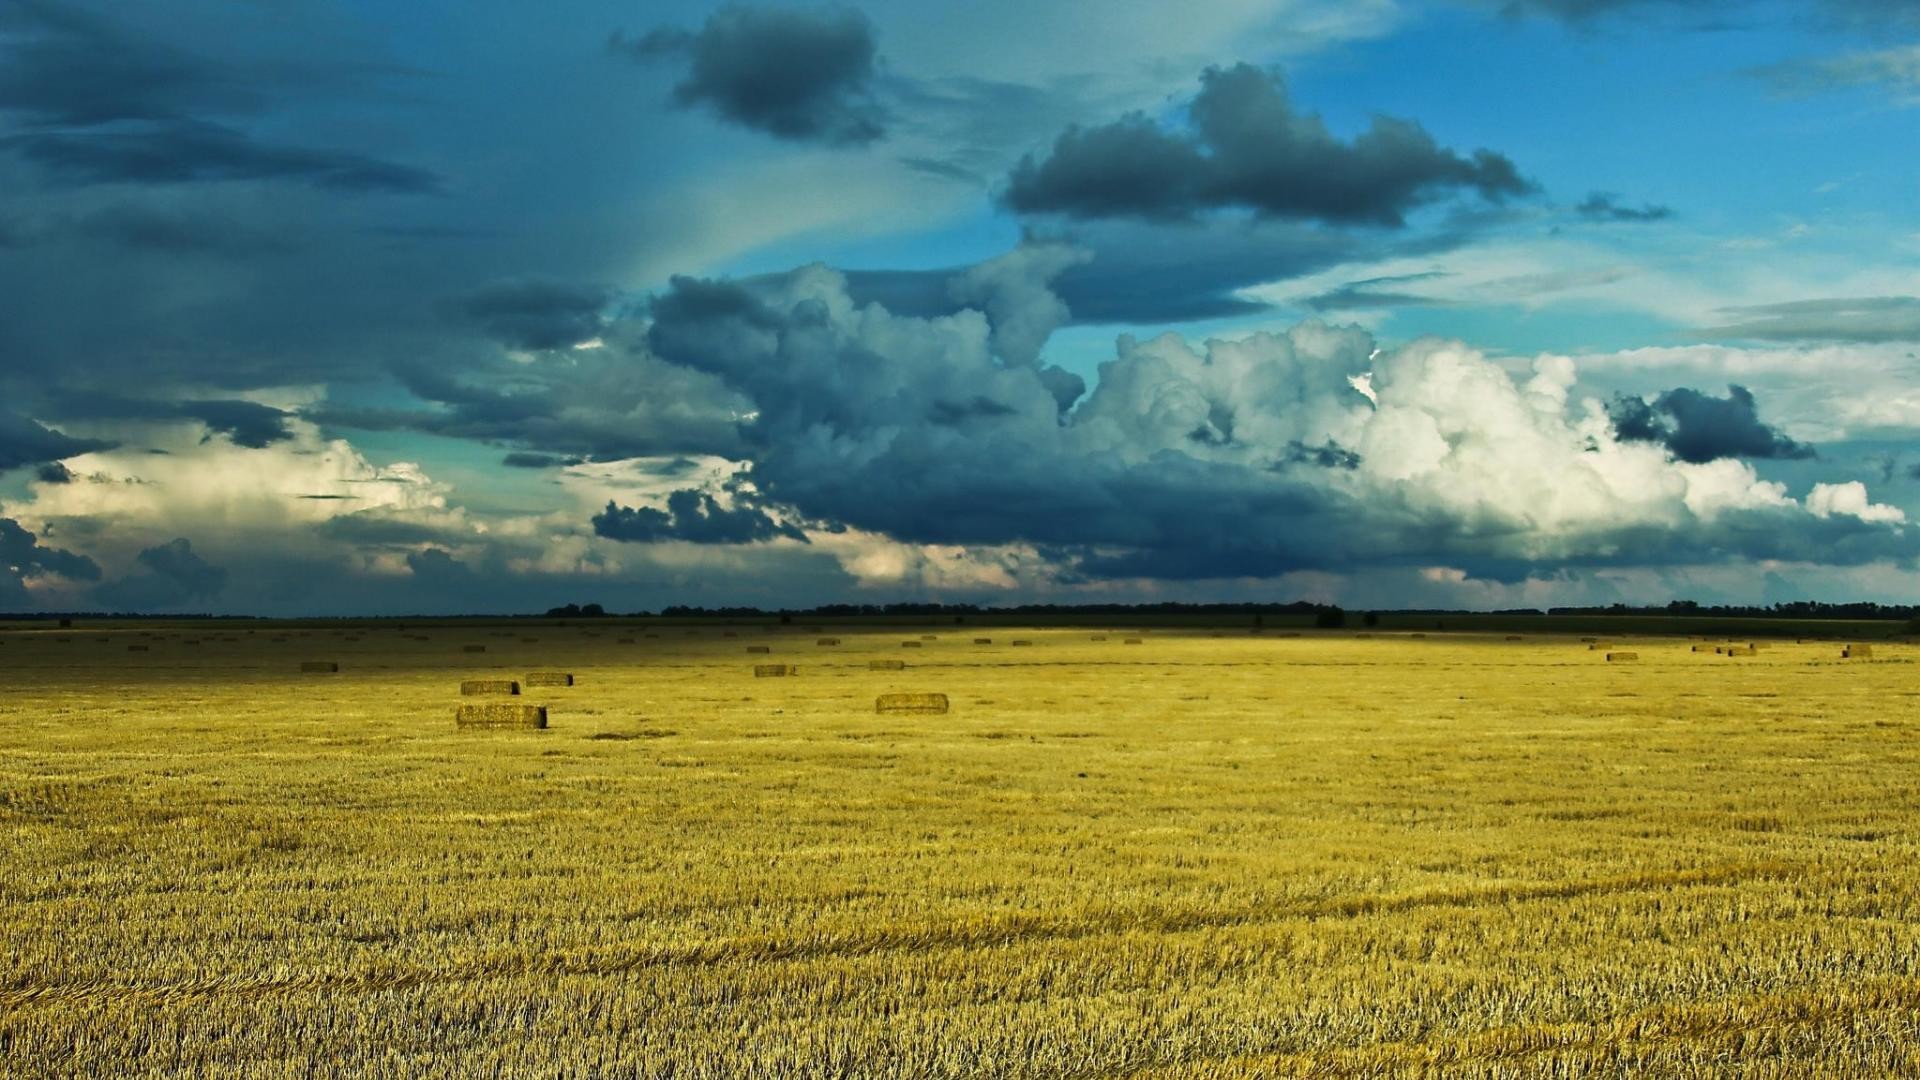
(365, 308)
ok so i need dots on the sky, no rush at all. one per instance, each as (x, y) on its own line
(343, 307)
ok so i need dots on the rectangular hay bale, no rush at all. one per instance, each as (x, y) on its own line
(1617, 657)
(828, 641)
(1131, 641)
(886, 665)
(983, 641)
(911, 703)
(773, 671)
(759, 648)
(472, 687)
(1021, 641)
(549, 678)
(909, 644)
(500, 715)
(1856, 652)
(319, 667)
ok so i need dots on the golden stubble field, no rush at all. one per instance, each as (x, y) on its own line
(1198, 856)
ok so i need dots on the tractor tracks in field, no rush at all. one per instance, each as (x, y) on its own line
(24, 992)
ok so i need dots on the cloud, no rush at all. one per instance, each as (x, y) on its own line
(537, 314)
(186, 151)
(24, 441)
(1013, 291)
(437, 569)
(520, 459)
(23, 556)
(246, 423)
(693, 517)
(1606, 206)
(1850, 499)
(804, 76)
(1375, 292)
(1897, 69)
(1699, 427)
(64, 65)
(1252, 457)
(1583, 11)
(167, 576)
(608, 403)
(1864, 319)
(1249, 149)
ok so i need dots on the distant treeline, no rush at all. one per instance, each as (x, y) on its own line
(839, 611)
(1322, 614)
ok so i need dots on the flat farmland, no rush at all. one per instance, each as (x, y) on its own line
(1195, 856)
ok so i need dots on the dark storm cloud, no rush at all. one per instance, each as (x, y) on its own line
(247, 423)
(53, 473)
(1866, 319)
(21, 553)
(1699, 428)
(537, 314)
(692, 517)
(524, 460)
(1146, 274)
(439, 570)
(64, 65)
(187, 151)
(1606, 206)
(800, 75)
(1250, 149)
(24, 441)
(167, 576)
(602, 404)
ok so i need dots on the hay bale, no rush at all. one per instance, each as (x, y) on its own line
(1515, 637)
(910, 703)
(1021, 641)
(886, 665)
(475, 687)
(1856, 652)
(774, 671)
(909, 644)
(319, 667)
(828, 641)
(759, 648)
(1098, 637)
(1703, 648)
(549, 678)
(500, 715)
(1617, 657)
(1131, 641)
(983, 641)
(1598, 648)
(473, 648)
(1741, 650)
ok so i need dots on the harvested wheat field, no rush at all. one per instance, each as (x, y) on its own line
(1196, 856)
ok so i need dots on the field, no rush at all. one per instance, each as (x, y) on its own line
(1197, 856)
